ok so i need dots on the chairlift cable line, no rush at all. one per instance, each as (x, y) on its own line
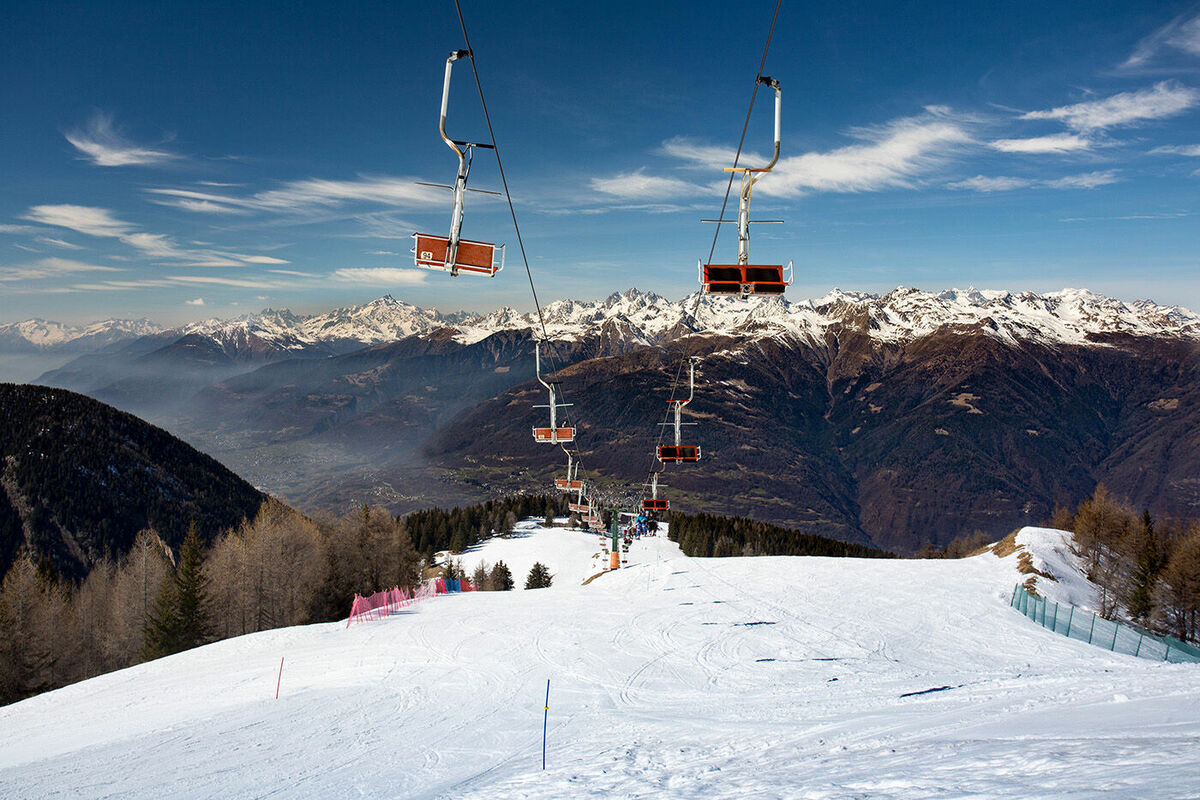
(500, 166)
(511, 208)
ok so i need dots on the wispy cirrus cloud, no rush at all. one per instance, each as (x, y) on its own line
(1181, 33)
(241, 283)
(88, 220)
(1162, 100)
(50, 240)
(639, 185)
(1177, 150)
(50, 268)
(1087, 180)
(101, 223)
(104, 145)
(381, 276)
(305, 196)
(1056, 143)
(898, 154)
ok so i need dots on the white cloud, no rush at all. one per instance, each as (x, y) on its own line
(1087, 180)
(983, 183)
(381, 253)
(101, 223)
(58, 243)
(1057, 143)
(637, 184)
(199, 301)
(707, 156)
(211, 279)
(1181, 150)
(100, 141)
(387, 276)
(17, 229)
(292, 272)
(305, 195)
(898, 154)
(1181, 33)
(82, 219)
(1164, 99)
(49, 268)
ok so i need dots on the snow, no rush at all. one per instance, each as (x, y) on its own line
(672, 677)
(1069, 316)
(571, 555)
(1051, 553)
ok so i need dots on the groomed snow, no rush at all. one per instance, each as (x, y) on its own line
(671, 678)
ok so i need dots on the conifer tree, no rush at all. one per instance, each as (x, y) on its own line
(179, 620)
(539, 577)
(501, 578)
(1145, 569)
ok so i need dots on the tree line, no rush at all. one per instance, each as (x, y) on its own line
(279, 569)
(1146, 569)
(708, 535)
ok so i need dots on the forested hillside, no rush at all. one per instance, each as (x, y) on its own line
(79, 479)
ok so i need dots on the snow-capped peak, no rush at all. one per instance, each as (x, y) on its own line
(903, 314)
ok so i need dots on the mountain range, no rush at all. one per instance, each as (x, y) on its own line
(889, 419)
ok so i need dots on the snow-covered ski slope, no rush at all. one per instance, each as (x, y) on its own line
(671, 678)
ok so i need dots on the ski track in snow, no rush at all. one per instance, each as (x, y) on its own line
(673, 677)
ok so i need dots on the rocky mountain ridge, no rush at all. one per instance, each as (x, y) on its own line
(644, 318)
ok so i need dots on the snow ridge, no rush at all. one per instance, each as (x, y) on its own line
(1069, 316)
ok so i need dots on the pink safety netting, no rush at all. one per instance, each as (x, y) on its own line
(391, 601)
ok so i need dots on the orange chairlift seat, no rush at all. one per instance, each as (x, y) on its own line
(453, 253)
(679, 452)
(553, 433)
(744, 278)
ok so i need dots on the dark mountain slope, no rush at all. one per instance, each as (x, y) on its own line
(79, 479)
(875, 442)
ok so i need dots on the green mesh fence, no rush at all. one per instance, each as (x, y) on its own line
(1075, 623)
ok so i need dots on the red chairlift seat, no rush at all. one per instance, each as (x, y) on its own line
(656, 505)
(429, 250)
(567, 485)
(580, 508)
(553, 435)
(743, 279)
(673, 454)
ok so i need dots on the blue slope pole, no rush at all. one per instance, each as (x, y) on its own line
(545, 717)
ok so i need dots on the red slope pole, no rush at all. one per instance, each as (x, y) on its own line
(280, 679)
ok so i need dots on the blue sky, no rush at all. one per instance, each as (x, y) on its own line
(186, 160)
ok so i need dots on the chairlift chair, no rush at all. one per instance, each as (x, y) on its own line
(554, 433)
(453, 253)
(652, 503)
(744, 278)
(679, 452)
(571, 483)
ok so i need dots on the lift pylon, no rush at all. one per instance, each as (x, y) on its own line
(679, 452)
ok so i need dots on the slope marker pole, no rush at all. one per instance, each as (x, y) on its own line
(545, 718)
(279, 680)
